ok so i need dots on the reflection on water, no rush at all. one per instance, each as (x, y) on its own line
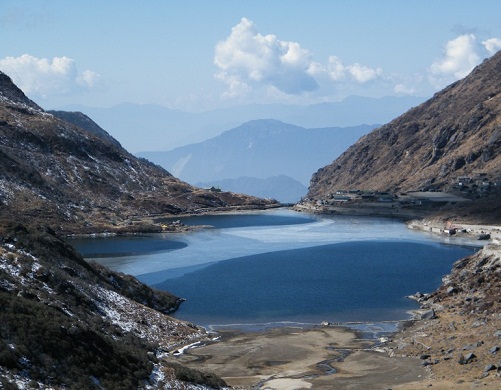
(123, 246)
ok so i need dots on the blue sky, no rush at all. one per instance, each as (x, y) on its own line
(200, 55)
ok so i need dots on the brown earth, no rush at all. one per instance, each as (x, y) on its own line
(455, 133)
(324, 357)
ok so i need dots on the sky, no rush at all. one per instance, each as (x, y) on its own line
(207, 54)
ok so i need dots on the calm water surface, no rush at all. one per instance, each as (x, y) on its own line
(281, 266)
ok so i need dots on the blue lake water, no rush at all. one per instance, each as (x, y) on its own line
(280, 267)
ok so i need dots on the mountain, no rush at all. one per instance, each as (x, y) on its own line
(79, 179)
(282, 188)
(451, 142)
(167, 129)
(462, 340)
(65, 323)
(260, 149)
(81, 120)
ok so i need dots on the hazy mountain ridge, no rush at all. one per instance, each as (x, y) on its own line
(168, 128)
(260, 149)
(455, 134)
(69, 178)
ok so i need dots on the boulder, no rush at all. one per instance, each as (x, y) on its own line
(427, 314)
(451, 290)
(469, 358)
(490, 367)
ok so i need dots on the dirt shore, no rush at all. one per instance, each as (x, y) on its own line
(324, 357)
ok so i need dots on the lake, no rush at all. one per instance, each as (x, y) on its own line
(279, 266)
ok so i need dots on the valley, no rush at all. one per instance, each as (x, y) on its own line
(437, 166)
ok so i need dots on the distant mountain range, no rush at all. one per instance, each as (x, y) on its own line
(259, 149)
(156, 128)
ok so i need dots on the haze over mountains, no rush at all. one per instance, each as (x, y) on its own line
(263, 157)
(281, 187)
(151, 127)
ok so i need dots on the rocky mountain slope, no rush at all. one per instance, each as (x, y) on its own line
(460, 341)
(83, 121)
(65, 323)
(75, 179)
(261, 149)
(451, 142)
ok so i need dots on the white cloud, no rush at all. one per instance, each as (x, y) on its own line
(248, 61)
(359, 73)
(42, 78)
(363, 74)
(460, 57)
(263, 67)
(335, 68)
(492, 45)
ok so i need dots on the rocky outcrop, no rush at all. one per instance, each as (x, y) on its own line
(10, 94)
(462, 342)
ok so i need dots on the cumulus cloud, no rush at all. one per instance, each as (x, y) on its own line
(247, 59)
(337, 71)
(460, 56)
(256, 66)
(42, 78)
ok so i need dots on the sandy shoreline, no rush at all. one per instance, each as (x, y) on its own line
(323, 357)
